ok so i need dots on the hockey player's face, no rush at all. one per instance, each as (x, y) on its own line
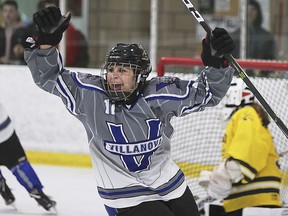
(121, 78)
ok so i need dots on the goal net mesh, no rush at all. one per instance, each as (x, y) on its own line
(196, 143)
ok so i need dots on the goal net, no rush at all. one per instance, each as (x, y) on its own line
(196, 144)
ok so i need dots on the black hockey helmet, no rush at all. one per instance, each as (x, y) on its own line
(127, 55)
(131, 54)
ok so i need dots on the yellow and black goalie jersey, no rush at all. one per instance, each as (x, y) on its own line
(250, 143)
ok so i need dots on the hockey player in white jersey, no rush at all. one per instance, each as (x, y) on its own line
(127, 118)
(12, 156)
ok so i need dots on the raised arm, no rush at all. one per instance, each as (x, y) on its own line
(42, 58)
(184, 96)
(45, 61)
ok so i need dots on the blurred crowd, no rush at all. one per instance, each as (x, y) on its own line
(260, 43)
(14, 32)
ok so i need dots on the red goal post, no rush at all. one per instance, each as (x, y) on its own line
(246, 64)
(196, 143)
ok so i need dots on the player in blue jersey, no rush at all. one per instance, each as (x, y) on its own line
(127, 117)
(14, 158)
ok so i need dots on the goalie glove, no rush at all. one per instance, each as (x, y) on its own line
(50, 26)
(219, 185)
(219, 182)
(214, 46)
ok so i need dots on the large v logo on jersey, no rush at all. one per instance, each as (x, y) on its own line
(134, 155)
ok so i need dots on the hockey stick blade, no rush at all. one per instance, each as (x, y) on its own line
(240, 71)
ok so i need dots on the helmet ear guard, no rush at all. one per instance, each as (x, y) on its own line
(127, 55)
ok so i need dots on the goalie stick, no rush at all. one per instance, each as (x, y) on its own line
(239, 70)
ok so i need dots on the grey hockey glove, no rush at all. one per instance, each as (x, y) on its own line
(50, 26)
(214, 46)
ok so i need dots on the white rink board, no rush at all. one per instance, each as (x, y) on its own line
(41, 119)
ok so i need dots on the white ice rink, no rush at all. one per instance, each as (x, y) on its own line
(74, 190)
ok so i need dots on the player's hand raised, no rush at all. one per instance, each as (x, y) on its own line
(214, 46)
(50, 25)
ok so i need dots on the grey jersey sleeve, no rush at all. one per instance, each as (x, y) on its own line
(180, 97)
(48, 73)
(45, 66)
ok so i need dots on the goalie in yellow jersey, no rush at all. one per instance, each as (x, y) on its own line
(249, 174)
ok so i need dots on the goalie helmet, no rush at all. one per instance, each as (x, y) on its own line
(238, 95)
(127, 55)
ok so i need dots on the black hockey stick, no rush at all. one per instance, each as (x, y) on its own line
(239, 70)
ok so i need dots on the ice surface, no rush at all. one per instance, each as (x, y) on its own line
(74, 190)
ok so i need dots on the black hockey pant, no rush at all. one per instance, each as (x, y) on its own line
(182, 206)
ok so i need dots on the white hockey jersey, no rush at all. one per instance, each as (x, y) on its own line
(6, 126)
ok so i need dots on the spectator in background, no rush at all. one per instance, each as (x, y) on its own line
(245, 178)
(260, 44)
(14, 158)
(12, 35)
(76, 43)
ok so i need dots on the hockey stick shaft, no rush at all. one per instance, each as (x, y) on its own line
(240, 71)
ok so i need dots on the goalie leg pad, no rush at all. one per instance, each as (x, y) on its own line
(255, 211)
